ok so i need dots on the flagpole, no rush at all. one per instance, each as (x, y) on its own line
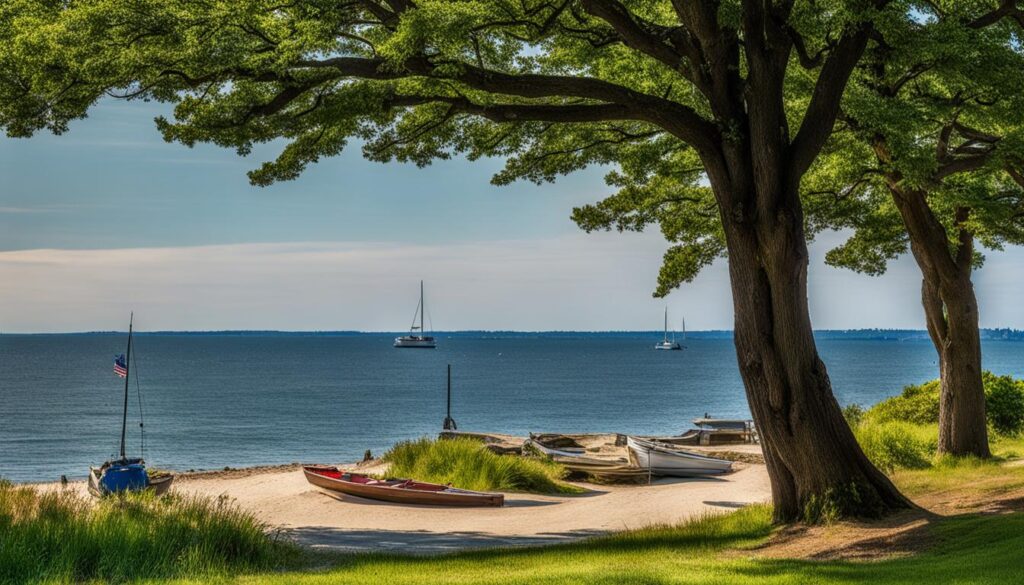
(127, 370)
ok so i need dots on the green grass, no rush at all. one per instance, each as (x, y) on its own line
(468, 464)
(59, 537)
(968, 477)
(970, 549)
(981, 549)
(893, 445)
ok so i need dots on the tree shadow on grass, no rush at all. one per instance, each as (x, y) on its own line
(423, 542)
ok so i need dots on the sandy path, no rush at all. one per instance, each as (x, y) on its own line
(283, 499)
(320, 518)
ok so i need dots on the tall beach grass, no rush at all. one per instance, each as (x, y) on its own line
(59, 536)
(468, 464)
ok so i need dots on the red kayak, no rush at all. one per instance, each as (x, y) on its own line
(403, 491)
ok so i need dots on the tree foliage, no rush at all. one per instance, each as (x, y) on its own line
(40, 87)
(935, 109)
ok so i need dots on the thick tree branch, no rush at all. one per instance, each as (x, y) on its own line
(523, 113)
(824, 107)
(1007, 9)
(807, 61)
(961, 165)
(635, 33)
(678, 119)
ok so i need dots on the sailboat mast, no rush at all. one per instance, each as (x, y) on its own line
(423, 309)
(666, 325)
(127, 371)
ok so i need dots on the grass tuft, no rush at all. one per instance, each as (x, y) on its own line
(58, 536)
(893, 445)
(468, 464)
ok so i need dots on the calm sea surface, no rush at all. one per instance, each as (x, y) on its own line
(215, 401)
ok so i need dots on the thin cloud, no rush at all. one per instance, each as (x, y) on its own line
(39, 209)
(581, 282)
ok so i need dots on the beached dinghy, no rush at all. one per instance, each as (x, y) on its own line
(664, 459)
(126, 474)
(576, 461)
(402, 491)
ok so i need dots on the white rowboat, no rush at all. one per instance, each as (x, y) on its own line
(663, 459)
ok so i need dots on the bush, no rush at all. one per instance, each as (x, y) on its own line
(897, 445)
(60, 536)
(468, 464)
(1004, 403)
(854, 414)
(916, 404)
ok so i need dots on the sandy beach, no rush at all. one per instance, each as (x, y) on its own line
(281, 497)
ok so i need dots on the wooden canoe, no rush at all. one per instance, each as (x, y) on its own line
(402, 491)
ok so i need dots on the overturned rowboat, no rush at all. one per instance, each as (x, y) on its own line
(402, 491)
(662, 459)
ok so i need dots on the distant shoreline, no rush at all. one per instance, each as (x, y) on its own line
(991, 334)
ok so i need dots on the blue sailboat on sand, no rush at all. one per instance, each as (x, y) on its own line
(125, 474)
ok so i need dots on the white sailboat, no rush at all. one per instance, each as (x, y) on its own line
(665, 343)
(416, 337)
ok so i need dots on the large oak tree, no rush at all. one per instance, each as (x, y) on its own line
(930, 156)
(746, 91)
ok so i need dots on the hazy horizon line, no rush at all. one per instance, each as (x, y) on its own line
(355, 332)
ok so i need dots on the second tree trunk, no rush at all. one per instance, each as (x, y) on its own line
(952, 314)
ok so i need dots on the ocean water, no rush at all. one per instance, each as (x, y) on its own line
(214, 401)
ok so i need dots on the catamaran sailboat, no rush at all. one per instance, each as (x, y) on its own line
(416, 337)
(665, 343)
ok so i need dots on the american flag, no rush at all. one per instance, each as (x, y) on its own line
(120, 366)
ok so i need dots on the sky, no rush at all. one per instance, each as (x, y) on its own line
(108, 218)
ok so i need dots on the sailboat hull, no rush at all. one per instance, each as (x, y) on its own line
(130, 476)
(668, 345)
(411, 341)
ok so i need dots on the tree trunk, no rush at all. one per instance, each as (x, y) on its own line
(952, 317)
(951, 312)
(817, 469)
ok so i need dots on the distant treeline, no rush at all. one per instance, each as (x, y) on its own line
(865, 334)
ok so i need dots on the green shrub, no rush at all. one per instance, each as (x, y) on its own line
(916, 404)
(897, 445)
(854, 414)
(59, 536)
(468, 464)
(1004, 404)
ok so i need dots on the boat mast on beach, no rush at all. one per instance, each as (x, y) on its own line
(417, 340)
(665, 343)
(125, 474)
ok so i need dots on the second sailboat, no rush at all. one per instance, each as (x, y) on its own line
(416, 337)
